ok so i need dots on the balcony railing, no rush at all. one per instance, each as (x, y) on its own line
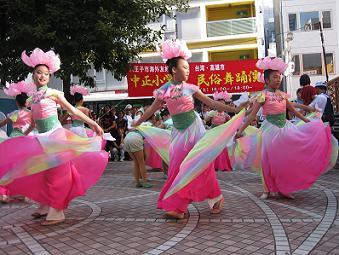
(231, 27)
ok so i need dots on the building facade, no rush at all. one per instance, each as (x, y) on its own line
(301, 40)
(215, 30)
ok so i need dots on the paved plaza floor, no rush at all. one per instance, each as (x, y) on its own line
(117, 218)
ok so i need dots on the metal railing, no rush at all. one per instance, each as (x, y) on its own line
(231, 27)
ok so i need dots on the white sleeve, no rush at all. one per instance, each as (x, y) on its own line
(129, 122)
(322, 103)
(314, 102)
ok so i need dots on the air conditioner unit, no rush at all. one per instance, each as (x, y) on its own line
(243, 13)
(242, 57)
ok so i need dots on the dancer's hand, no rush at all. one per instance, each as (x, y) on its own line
(97, 129)
(244, 104)
(238, 135)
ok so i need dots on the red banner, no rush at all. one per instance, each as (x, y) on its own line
(233, 76)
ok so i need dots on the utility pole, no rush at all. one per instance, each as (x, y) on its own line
(278, 27)
(322, 45)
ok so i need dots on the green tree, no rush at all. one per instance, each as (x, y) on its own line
(85, 33)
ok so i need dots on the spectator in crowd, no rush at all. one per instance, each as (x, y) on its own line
(107, 122)
(118, 153)
(308, 92)
(113, 112)
(299, 100)
(128, 116)
(121, 122)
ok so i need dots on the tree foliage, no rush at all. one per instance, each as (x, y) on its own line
(85, 33)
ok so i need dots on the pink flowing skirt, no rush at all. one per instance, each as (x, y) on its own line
(51, 168)
(205, 186)
(291, 158)
(152, 157)
(222, 162)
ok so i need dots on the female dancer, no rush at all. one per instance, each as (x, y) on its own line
(54, 166)
(78, 126)
(292, 158)
(21, 119)
(187, 131)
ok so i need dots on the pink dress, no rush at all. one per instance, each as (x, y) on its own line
(222, 162)
(21, 120)
(54, 166)
(291, 157)
(78, 126)
(152, 157)
(179, 99)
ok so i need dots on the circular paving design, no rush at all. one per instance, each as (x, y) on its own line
(117, 218)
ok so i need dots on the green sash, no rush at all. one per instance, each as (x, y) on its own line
(278, 120)
(47, 124)
(183, 120)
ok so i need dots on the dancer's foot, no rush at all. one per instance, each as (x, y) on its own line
(265, 195)
(138, 184)
(20, 198)
(51, 222)
(175, 215)
(4, 199)
(217, 207)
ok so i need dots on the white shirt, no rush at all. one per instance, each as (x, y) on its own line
(129, 121)
(319, 102)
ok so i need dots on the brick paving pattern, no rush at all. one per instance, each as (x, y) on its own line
(117, 218)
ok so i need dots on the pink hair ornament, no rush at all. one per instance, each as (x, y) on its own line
(39, 57)
(79, 89)
(276, 64)
(172, 49)
(273, 63)
(223, 95)
(15, 89)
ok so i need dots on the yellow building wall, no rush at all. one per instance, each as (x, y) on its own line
(230, 11)
(233, 55)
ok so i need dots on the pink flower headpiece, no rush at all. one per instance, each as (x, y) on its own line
(222, 95)
(274, 63)
(39, 57)
(79, 89)
(171, 49)
(15, 89)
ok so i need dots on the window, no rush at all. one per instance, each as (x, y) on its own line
(296, 61)
(309, 20)
(326, 19)
(312, 63)
(329, 63)
(292, 21)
